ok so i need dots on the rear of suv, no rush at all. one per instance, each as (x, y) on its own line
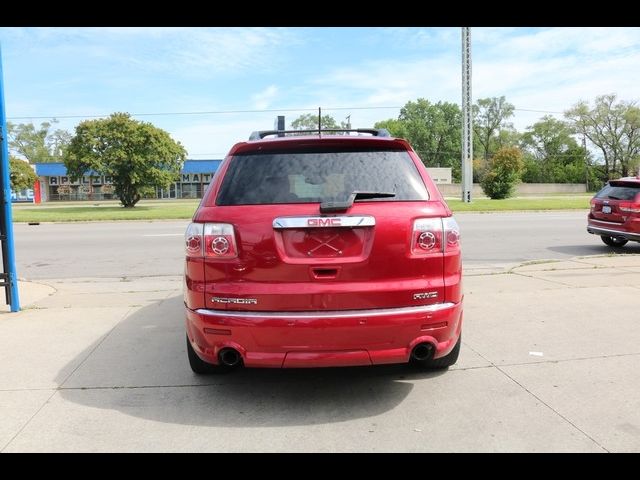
(317, 250)
(615, 212)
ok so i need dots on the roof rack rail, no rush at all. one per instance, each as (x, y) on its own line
(376, 132)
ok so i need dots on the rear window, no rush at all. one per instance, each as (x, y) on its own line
(619, 192)
(302, 177)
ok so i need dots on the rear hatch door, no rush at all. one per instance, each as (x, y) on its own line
(606, 203)
(292, 257)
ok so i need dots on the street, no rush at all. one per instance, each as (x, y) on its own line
(109, 370)
(117, 249)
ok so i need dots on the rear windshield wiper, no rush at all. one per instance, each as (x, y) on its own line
(613, 198)
(327, 207)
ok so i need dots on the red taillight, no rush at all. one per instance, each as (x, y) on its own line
(434, 235)
(426, 236)
(451, 232)
(193, 240)
(629, 207)
(215, 240)
(219, 240)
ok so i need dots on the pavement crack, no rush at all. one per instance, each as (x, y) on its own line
(105, 336)
(556, 412)
(139, 387)
(28, 421)
(555, 282)
(552, 409)
(578, 359)
(43, 389)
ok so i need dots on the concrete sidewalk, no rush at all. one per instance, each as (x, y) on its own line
(549, 362)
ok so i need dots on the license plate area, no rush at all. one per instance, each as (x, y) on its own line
(324, 239)
(606, 209)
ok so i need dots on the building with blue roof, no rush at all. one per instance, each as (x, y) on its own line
(55, 184)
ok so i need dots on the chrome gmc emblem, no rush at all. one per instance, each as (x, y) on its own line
(324, 222)
(348, 221)
(237, 301)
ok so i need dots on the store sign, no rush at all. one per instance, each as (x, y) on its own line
(86, 180)
(25, 195)
(196, 177)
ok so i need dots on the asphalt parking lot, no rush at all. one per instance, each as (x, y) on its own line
(549, 363)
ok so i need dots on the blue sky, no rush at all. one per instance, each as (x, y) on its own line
(346, 71)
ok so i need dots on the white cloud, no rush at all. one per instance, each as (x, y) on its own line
(263, 99)
(230, 48)
(214, 138)
(548, 69)
(187, 51)
(539, 69)
(419, 38)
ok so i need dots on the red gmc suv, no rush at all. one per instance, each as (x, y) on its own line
(615, 212)
(318, 250)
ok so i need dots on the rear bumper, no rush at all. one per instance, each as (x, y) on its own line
(610, 230)
(326, 338)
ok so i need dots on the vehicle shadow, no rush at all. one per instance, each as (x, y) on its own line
(595, 249)
(141, 369)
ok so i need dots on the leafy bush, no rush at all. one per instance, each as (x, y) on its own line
(503, 173)
(21, 174)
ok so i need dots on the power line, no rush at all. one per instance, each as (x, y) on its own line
(212, 112)
(537, 111)
(222, 112)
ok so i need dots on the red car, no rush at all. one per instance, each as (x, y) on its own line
(319, 250)
(615, 212)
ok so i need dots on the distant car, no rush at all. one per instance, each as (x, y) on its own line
(322, 250)
(615, 212)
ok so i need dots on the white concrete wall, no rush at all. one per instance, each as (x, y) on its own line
(440, 175)
(521, 190)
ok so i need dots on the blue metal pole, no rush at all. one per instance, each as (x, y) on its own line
(6, 189)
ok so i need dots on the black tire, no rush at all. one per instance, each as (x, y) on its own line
(442, 362)
(615, 242)
(201, 367)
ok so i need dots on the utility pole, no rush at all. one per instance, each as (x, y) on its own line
(586, 163)
(8, 277)
(467, 119)
(348, 122)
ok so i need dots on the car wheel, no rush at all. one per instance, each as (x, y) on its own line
(201, 367)
(442, 362)
(615, 242)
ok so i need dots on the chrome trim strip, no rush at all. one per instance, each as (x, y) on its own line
(613, 233)
(323, 222)
(329, 314)
(604, 221)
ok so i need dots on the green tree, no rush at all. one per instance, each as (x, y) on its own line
(613, 128)
(433, 130)
(489, 119)
(309, 121)
(552, 155)
(21, 175)
(137, 155)
(396, 128)
(38, 145)
(503, 173)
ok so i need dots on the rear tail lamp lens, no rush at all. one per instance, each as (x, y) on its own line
(629, 207)
(451, 232)
(219, 240)
(432, 235)
(215, 240)
(426, 236)
(193, 240)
